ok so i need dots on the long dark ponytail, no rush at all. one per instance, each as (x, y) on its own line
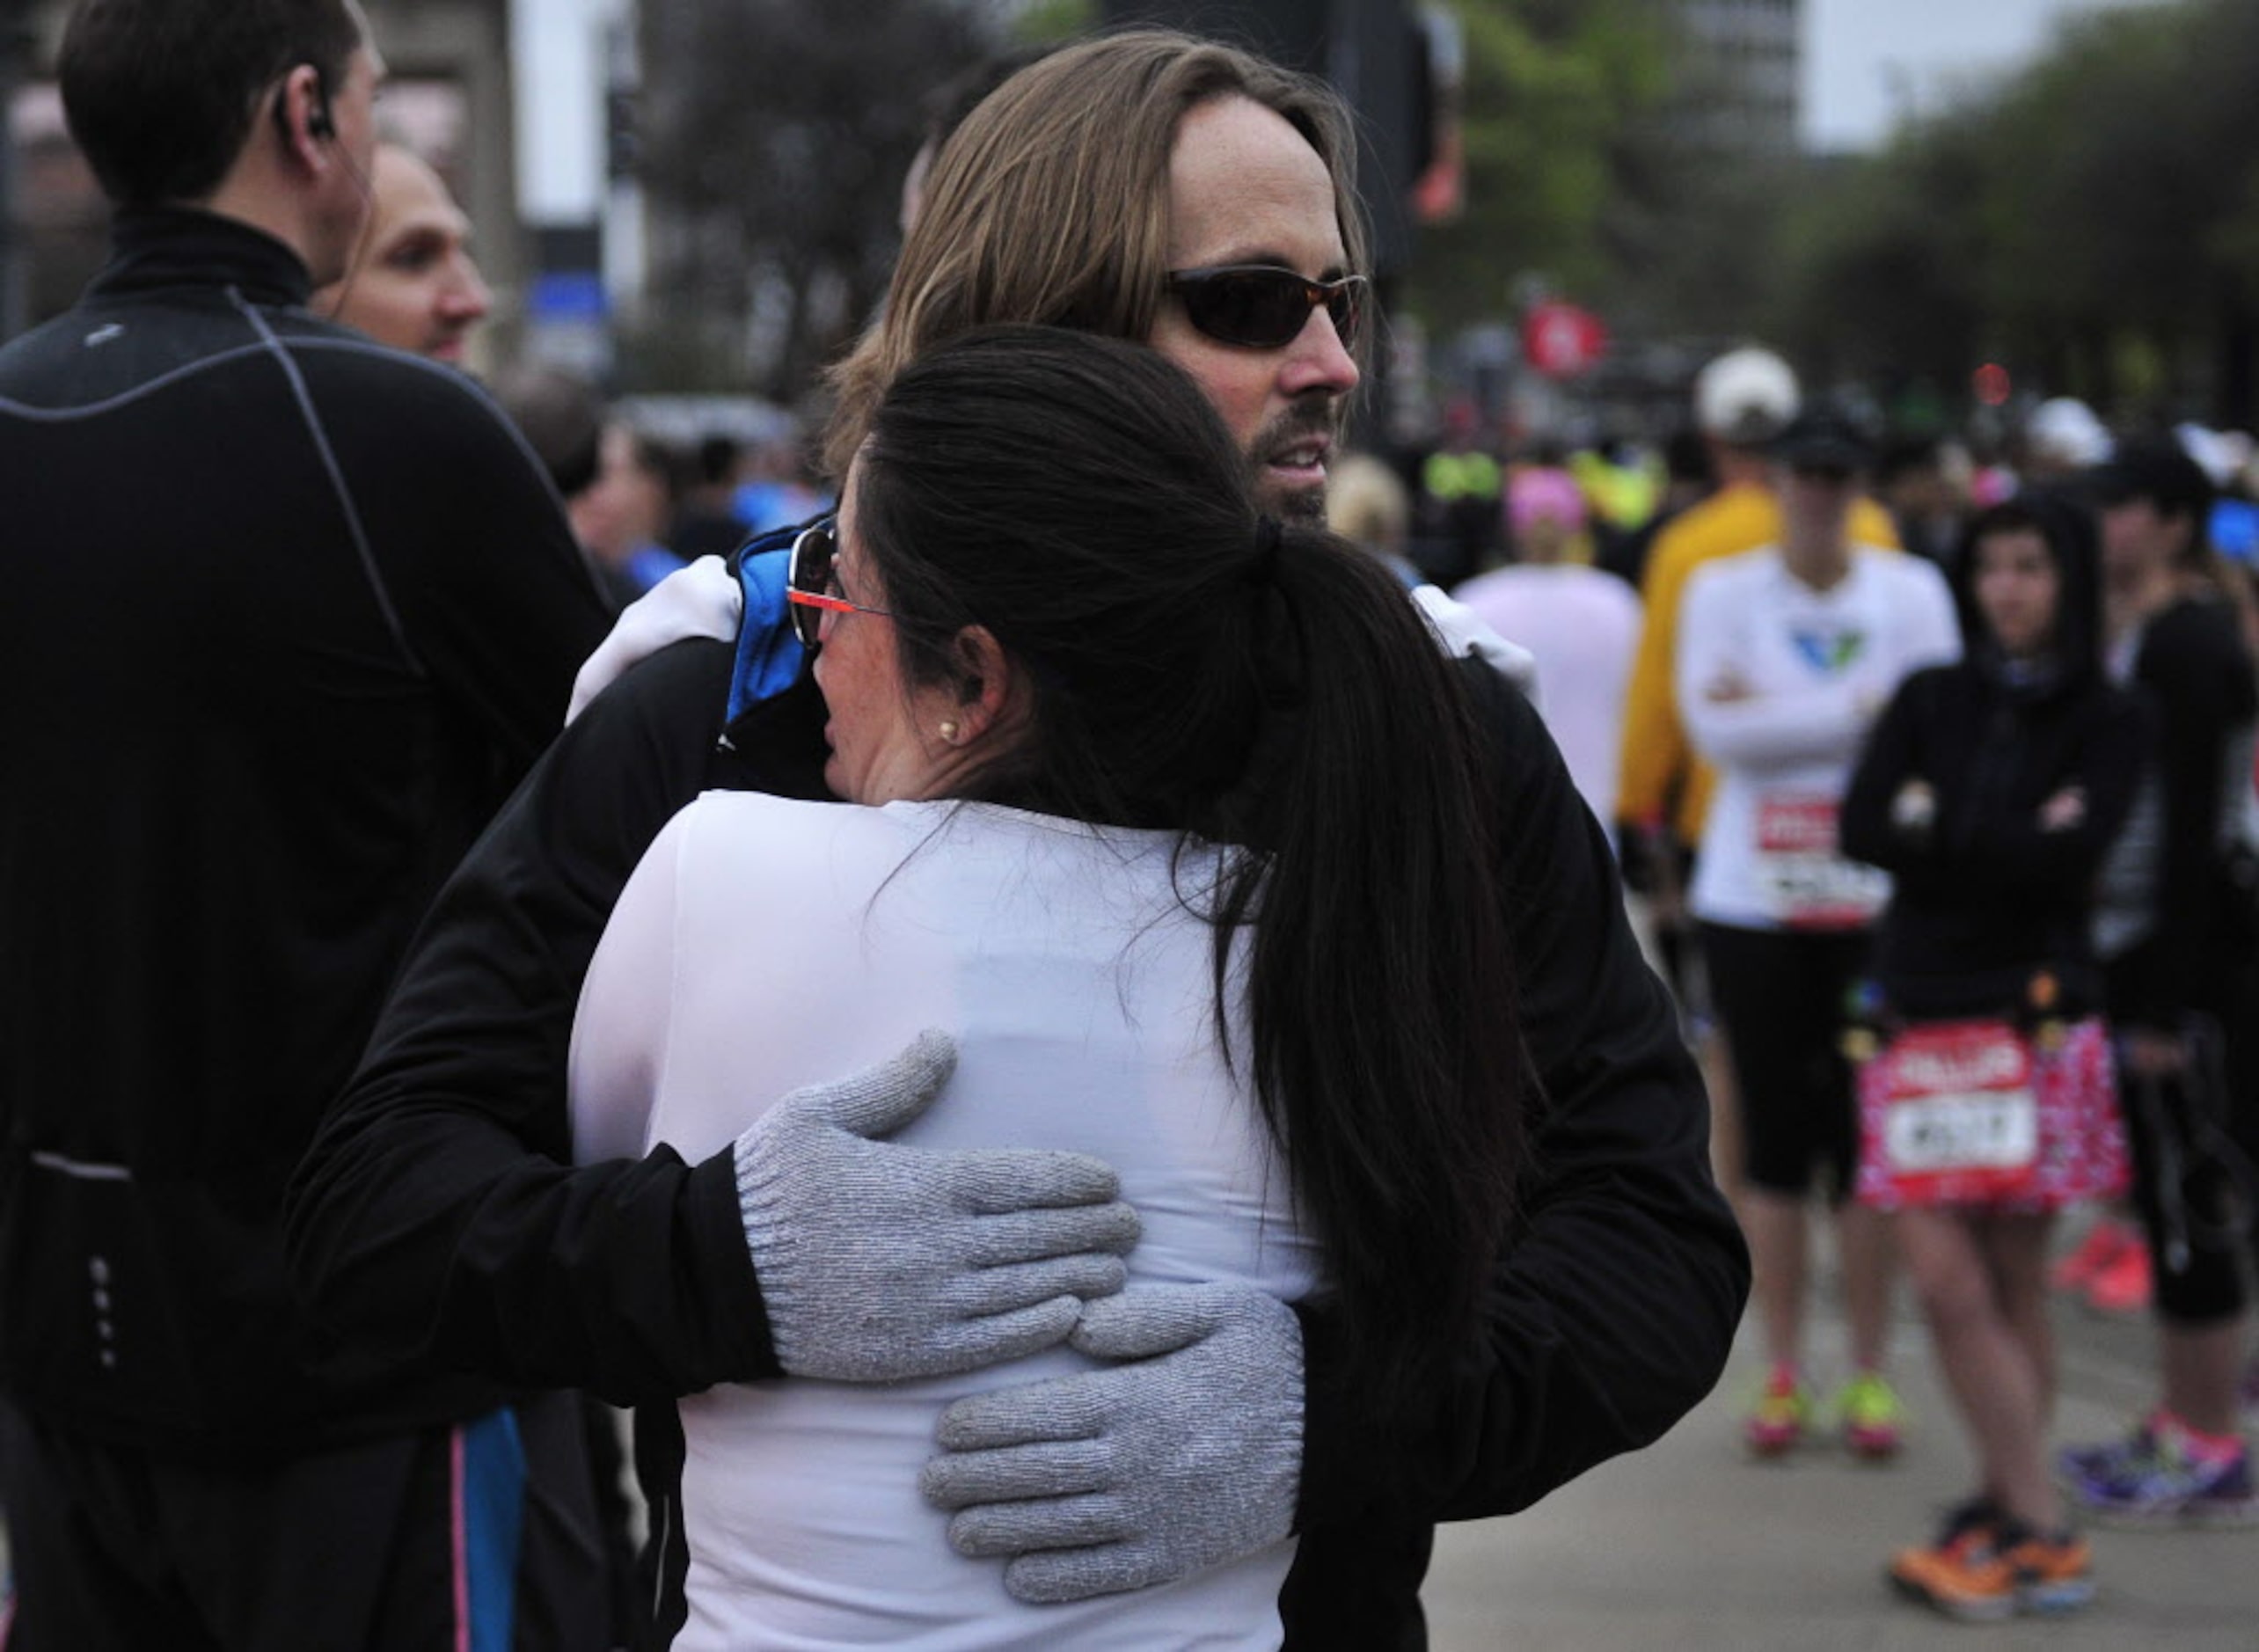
(1196, 666)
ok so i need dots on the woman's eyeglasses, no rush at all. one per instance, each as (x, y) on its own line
(1264, 308)
(812, 584)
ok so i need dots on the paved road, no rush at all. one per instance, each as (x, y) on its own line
(1689, 1546)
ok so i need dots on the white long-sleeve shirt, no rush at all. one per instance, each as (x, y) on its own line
(1582, 627)
(1818, 667)
(765, 943)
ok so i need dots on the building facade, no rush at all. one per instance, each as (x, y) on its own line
(1745, 63)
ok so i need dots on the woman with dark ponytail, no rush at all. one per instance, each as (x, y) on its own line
(1176, 818)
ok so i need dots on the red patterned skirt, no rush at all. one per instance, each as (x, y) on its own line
(2067, 1146)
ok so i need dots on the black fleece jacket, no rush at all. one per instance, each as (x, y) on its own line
(288, 616)
(1986, 893)
(1991, 887)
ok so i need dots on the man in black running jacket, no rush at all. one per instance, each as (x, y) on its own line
(289, 613)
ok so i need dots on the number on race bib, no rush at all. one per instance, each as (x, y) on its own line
(1811, 885)
(1951, 1113)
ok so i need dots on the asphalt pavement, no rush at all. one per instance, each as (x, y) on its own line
(1693, 1546)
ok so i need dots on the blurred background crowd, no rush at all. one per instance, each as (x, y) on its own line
(1577, 203)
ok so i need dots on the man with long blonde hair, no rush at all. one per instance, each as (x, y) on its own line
(1166, 190)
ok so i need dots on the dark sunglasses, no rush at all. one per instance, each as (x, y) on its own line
(811, 585)
(1265, 308)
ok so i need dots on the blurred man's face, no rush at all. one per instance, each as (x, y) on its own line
(1815, 499)
(627, 507)
(1244, 188)
(415, 285)
(2138, 538)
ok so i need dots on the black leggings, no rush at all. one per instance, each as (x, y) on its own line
(2192, 1184)
(2194, 1139)
(1779, 995)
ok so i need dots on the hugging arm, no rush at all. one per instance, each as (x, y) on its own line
(438, 1216)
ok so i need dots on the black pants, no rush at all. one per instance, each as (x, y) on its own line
(1781, 996)
(422, 1543)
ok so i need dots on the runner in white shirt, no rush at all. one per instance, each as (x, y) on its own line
(1786, 655)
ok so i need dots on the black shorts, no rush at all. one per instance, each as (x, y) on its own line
(482, 1535)
(1780, 996)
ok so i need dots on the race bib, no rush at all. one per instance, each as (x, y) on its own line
(1950, 1115)
(1807, 884)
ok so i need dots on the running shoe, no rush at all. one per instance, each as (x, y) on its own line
(2085, 1469)
(1986, 1573)
(1978, 1513)
(2174, 1488)
(2125, 1286)
(1872, 1419)
(1776, 1424)
(2104, 1243)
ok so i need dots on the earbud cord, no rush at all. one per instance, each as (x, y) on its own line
(361, 182)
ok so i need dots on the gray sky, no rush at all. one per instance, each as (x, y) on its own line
(1869, 62)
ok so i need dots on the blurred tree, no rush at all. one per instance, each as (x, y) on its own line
(2093, 222)
(1882, 272)
(1041, 20)
(1558, 159)
(774, 137)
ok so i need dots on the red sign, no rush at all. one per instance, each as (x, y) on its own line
(1561, 340)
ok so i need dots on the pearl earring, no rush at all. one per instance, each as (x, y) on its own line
(949, 730)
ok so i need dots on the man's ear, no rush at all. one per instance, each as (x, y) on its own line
(302, 117)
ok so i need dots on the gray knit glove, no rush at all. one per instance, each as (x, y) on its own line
(879, 1262)
(1141, 1473)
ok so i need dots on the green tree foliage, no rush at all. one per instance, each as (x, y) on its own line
(1880, 275)
(2094, 222)
(1558, 175)
(1047, 20)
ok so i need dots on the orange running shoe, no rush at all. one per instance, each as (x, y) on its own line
(1987, 1574)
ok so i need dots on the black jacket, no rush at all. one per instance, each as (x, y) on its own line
(421, 1222)
(287, 614)
(2191, 663)
(1988, 895)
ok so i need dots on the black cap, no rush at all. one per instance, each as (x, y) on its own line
(1823, 438)
(2157, 468)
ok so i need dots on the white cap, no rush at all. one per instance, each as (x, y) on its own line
(2064, 429)
(1745, 397)
(2223, 453)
